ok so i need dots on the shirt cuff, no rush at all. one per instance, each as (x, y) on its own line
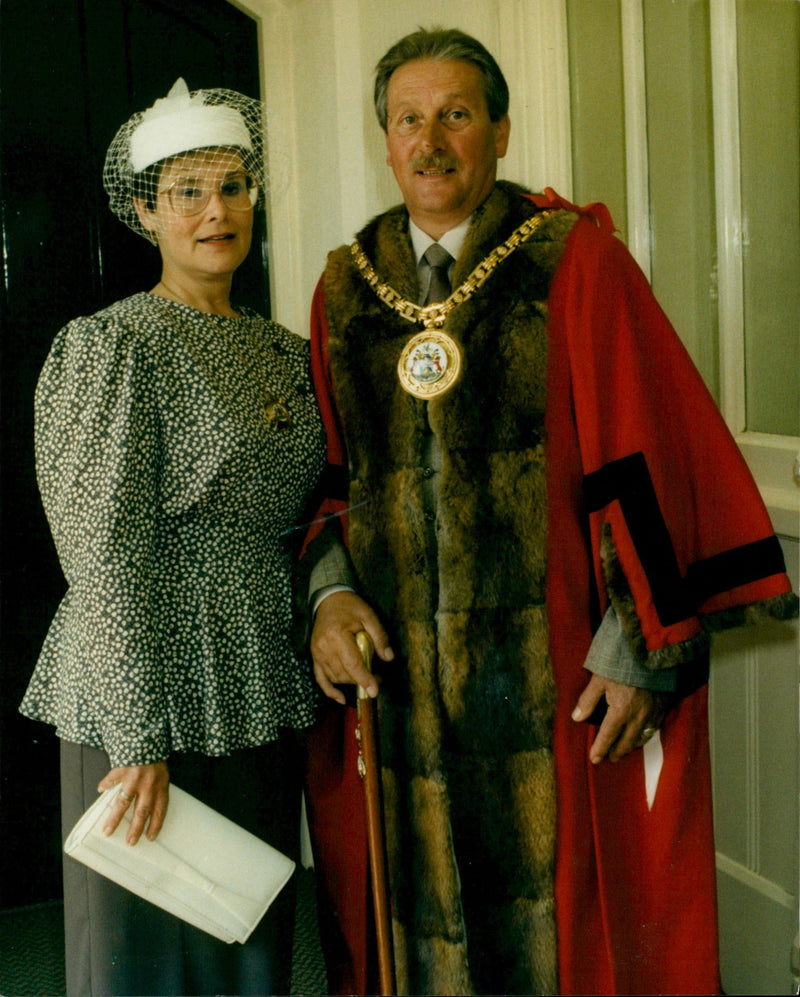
(319, 597)
(331, 572)
(612, 657)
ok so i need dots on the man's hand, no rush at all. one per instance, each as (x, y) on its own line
(146, 789)
(631, 714)
(337, 658)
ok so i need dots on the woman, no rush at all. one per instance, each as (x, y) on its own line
(177, 441)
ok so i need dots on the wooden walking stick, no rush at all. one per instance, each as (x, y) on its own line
(369, 768)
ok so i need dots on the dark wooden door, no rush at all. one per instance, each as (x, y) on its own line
(71, 71)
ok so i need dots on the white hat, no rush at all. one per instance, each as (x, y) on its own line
(181, 122)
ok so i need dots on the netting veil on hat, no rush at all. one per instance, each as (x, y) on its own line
(180, 123)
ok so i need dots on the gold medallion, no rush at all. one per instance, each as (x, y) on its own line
(429, 364)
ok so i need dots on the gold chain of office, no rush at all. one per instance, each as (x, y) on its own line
(434, 316)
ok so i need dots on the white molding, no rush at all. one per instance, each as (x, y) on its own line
(534, 51)
(347, 47)
(277, 83)
(637, 172)
(755, 882)
(727, 167)
(772, 461)
(255, 8)
(751, 764)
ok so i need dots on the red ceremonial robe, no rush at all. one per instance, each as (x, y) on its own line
(631, 434)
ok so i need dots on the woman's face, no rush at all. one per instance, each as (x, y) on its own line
(215, 240)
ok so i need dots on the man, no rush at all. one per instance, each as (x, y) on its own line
(523, 498)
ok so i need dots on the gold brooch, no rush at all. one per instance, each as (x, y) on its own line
(278, 413)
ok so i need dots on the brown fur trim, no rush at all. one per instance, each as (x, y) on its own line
(619, 593)
(467, 710)
(684, 653)
(780, 607)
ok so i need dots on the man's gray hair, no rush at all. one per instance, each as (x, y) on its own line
(442, 44)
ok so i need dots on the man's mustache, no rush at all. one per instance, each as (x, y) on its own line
(435, 162)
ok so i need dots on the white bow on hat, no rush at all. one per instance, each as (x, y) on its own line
(180, 122)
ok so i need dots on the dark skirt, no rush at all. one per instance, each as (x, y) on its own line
(118, 944)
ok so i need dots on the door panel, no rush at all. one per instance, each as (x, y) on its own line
(753, 710)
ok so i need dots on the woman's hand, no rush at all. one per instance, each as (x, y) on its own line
(146, 789)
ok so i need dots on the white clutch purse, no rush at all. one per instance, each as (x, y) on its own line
(202, 867)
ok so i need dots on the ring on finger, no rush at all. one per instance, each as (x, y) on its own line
(124, 796)
(647, 733)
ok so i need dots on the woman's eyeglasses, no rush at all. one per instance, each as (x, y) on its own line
(189, 196)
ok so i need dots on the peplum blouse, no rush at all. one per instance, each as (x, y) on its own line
(172, 499)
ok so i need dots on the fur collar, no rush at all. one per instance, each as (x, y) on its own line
(467, 710)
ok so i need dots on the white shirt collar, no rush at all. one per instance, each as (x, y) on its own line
(452, 241)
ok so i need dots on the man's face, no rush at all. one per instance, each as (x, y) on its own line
(440, 141)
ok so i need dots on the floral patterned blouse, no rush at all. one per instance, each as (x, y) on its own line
(172, 497)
